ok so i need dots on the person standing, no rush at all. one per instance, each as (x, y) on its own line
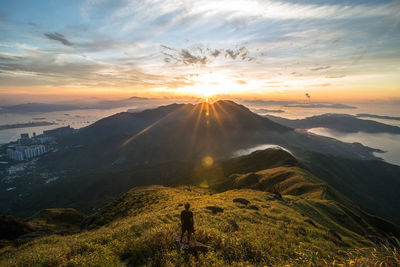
(187, 222)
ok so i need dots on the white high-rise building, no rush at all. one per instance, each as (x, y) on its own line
(34, 151)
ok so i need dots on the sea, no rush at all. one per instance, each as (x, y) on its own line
(75, 118)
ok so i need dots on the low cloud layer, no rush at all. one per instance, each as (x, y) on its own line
(320, 105)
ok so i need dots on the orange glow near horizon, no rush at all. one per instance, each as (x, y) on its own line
(213, 86)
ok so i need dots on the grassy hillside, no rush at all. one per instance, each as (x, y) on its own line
(137, 229)
(373, 185)
(89, 192)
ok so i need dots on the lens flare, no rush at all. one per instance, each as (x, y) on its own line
(207, 161)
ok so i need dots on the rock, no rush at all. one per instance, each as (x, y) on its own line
(192, 247)
(310, 222)
(277, 195)
(215, 209)
(12, 227)
(335, 234)
(241, 200)
(253, 207)
(234, 225)
(323, 195)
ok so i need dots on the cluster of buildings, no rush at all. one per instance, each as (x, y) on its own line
(26, 148)
(16, 168)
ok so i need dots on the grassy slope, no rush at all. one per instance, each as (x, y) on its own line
(373, 185)
(137, 229)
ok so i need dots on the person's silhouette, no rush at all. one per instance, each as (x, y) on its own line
(187, 222)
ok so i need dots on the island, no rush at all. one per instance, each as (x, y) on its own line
(25, 125)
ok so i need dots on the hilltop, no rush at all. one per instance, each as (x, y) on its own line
(137, 229)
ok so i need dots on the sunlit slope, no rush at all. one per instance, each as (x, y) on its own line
(285, 180)
(137, 229)
(373, 185)
(319, 199)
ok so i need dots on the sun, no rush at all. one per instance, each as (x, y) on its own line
(208, 92)
(209, 84)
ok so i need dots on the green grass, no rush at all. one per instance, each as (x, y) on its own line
(137, 229)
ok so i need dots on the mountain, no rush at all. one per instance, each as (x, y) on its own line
(265, 208)
(366, 115)
(104, 104)
(339, 122)
(185, 132)
(36, 107)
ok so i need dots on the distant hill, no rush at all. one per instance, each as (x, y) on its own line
(366, 115)
(104, 104)
(36, 107)
(339, 122)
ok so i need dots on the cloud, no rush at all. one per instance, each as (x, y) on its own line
(321, 85)
(58, 37)
(297, 74)
(215, 53)
(232, 54)
(31, 23)
(294, 104)
(241, 82)
(320, 68)
(37, 67)
(188, 58)
(320, 105)
(335, 76)
(202, 56)
(264, 110)
(389, 22)
(241, 53)
(156, 40)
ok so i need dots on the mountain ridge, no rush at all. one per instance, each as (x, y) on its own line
(336, 121)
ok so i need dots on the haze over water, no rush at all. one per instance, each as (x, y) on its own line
(390, 143)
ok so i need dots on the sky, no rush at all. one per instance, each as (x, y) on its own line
(256, 49)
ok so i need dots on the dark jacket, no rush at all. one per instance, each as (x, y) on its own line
(187, 219)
